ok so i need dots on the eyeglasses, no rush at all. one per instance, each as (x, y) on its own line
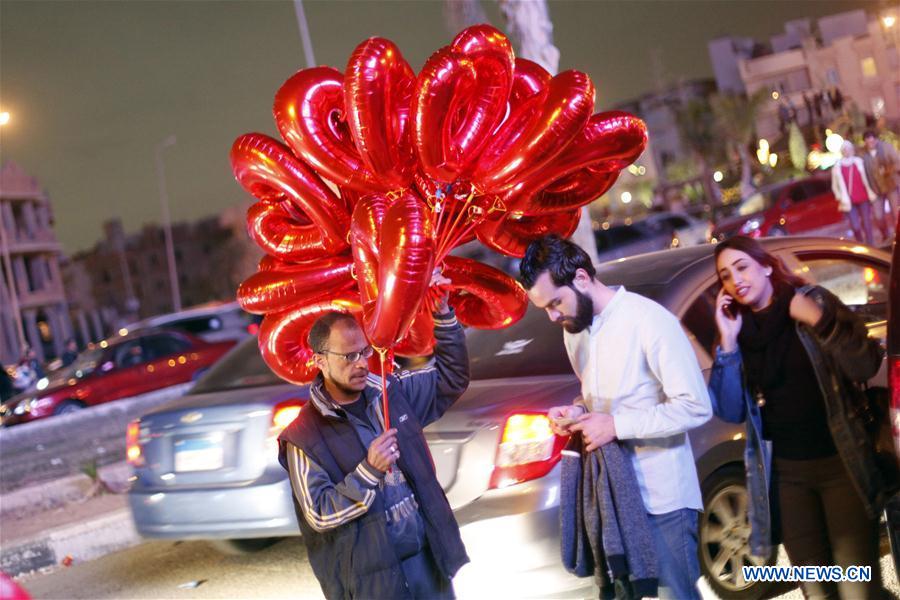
(352, 357)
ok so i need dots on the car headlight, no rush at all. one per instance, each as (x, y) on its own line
(750, 226)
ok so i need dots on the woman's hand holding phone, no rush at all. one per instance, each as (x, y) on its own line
(728, 320)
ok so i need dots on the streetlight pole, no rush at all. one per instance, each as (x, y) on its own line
(167, 221)
(7, 263)
(304, 34)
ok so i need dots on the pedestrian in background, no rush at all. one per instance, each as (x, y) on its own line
(882, 165)
(789, 364)
(854, 193)
(641, 387)
(71, 352)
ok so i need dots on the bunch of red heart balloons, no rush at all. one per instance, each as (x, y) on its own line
(383, 172)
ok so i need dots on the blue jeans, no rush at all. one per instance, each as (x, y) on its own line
(861, 231)
(675, 535)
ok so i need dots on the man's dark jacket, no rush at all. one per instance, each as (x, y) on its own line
(355, 559)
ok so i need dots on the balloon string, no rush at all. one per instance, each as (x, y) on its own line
(451, 230)
(382, 352)
(447, 246)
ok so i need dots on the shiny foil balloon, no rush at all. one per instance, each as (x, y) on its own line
(529, 79)
(482, 296)
(287, 286)
(309, 112)
(404, 271)
(312, 221)
(283, 336)
(365, 244)
(511, 236)
(566, 193)
(378, 89)
(460, 98)
(419, 340)
(536, 131)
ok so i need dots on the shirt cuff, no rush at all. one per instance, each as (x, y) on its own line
(369, 475)
(446, 320)
(625, 425)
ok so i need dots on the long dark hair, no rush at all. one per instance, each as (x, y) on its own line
(753, 249)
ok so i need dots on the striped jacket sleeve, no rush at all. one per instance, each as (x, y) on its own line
(324, 503)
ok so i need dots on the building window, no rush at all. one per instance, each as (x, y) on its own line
(868, 67)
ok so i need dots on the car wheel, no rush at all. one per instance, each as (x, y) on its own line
(724, 536)
(777, 232)
(68, 407)
(243, 546)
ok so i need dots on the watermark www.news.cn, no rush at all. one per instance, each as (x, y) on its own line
(810, 573)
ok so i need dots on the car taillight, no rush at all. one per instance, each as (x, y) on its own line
(528, 450)
(133, 452)
(284, 414)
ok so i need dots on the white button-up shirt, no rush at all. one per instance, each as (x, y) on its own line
(636, 363)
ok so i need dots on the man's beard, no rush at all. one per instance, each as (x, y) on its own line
(584, 314)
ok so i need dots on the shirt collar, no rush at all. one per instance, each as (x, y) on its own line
(609, 309)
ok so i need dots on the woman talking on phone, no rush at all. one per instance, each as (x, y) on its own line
(789, 359)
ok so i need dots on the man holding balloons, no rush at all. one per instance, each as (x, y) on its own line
(374, 518)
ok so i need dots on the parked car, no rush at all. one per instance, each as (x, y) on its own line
(804, 206)
(616, 241)
(205, 465)
(684, 229)
(214, 322)
(893, 358)
(120, 367)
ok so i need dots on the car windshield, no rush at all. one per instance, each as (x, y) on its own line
(83, 366)
(242, 367)
(757, 202)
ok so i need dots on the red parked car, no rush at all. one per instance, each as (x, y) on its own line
(117, 368)
(792, 207)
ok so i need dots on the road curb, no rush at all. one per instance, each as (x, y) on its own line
(51, 494)
(79, 542)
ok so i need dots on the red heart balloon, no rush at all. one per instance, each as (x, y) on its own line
(419, 340)
(283, 336)
(482, 296)
(536, 131)
(378, 89)
(309, 112)
(300, 217)
(286, 286)
(365, 244)
(460, 98)
(511, 236)
(609, 142)
(566, 193)
(529, 79)
(406, 261)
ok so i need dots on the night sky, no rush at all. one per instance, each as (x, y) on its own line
(93, 87)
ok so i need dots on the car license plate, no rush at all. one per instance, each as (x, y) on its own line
(198, 454)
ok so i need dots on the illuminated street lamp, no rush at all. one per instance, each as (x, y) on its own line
(889, 21)
(4, 117)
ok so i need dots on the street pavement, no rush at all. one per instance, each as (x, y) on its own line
(161, 569)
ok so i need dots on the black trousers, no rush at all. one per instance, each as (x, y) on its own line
(824, 522)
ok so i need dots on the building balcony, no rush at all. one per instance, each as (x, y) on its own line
(46, 297)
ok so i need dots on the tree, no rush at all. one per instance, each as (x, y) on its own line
(797, 148)
(735, 118)
(697, 126)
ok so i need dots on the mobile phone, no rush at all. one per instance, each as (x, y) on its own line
(729, 311)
